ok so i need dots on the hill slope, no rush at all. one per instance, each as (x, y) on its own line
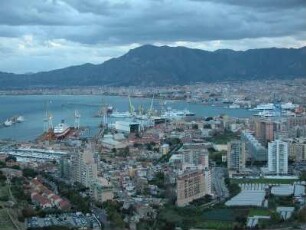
(151, 65)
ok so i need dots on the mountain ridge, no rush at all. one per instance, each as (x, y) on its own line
(150, 65)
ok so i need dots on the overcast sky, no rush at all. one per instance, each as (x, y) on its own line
(38, 35)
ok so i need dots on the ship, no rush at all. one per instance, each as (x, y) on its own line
(61, 130)
(20, 119)
(8, 123)
(271, 106)
(176, 114)
(121, 114)
(269, 113)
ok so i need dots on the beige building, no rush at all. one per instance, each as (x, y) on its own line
(101, 190)
(192, 185)
(236, 155)
(297, 149)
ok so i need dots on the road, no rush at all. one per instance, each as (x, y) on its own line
(217, 178)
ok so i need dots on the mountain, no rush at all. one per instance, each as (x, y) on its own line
(151, 65)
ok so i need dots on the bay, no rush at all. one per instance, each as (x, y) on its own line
(62, 107)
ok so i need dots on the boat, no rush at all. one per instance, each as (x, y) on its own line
(177, 114)
(121, 114)
(268, 113)
(61, 129)
(8, 123)
(234, 106)
(20, 119)
(109, 109)
(271, 106)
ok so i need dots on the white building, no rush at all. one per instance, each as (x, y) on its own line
(278, 157)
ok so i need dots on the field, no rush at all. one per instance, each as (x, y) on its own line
(5, 221)
(221, 218)
(264, 181)
(259, 212)
(4, 193)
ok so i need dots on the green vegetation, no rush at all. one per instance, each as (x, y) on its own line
(18, 190)
(216, 156)
(5, 221)
(204, 200)
(259, 212)
(303, 176)
(2, 178)
(233, 188)
(159, 180)
(4, 193)
(113, 211)
(72, 193)
(223, 138)
(28, 172)
(275, 201)
(264, 181)
(2, 164)
(197, 217)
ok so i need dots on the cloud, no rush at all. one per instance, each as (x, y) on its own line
(115, 25)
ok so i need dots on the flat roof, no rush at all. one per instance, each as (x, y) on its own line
(247, 198)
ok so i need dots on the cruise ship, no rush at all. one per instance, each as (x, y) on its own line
(271, 113)
(61, 129)
(177, 114)
(271, 106)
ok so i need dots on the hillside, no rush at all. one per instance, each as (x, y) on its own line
(151, 65)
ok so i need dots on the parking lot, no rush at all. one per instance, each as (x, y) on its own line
(78, 220)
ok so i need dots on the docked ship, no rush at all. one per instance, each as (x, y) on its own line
(271, 106)
(61, 130)
(20, 119)
(121, 114)
(176, 114)
(269, 113)
(8, 123)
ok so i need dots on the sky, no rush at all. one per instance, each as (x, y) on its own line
(41, 35)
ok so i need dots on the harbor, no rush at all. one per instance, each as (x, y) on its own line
(64, 107)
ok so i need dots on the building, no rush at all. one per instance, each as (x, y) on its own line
(127, 126)
(194, 155)
(84, 168)
(164, 149)
(192, 185)
(236, 156)
(264, 130)
(101, 190)
(255, 151)
(297, 149)
(278, 157)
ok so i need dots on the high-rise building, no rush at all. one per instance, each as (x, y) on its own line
(84, 168)
(236, 155)
(278, 157)
(264, 130)
(192, 185)
(255, 151)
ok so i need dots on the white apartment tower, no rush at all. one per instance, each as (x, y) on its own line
(278, 157)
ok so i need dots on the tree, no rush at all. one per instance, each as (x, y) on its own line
(28, 172)
(10, 158)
